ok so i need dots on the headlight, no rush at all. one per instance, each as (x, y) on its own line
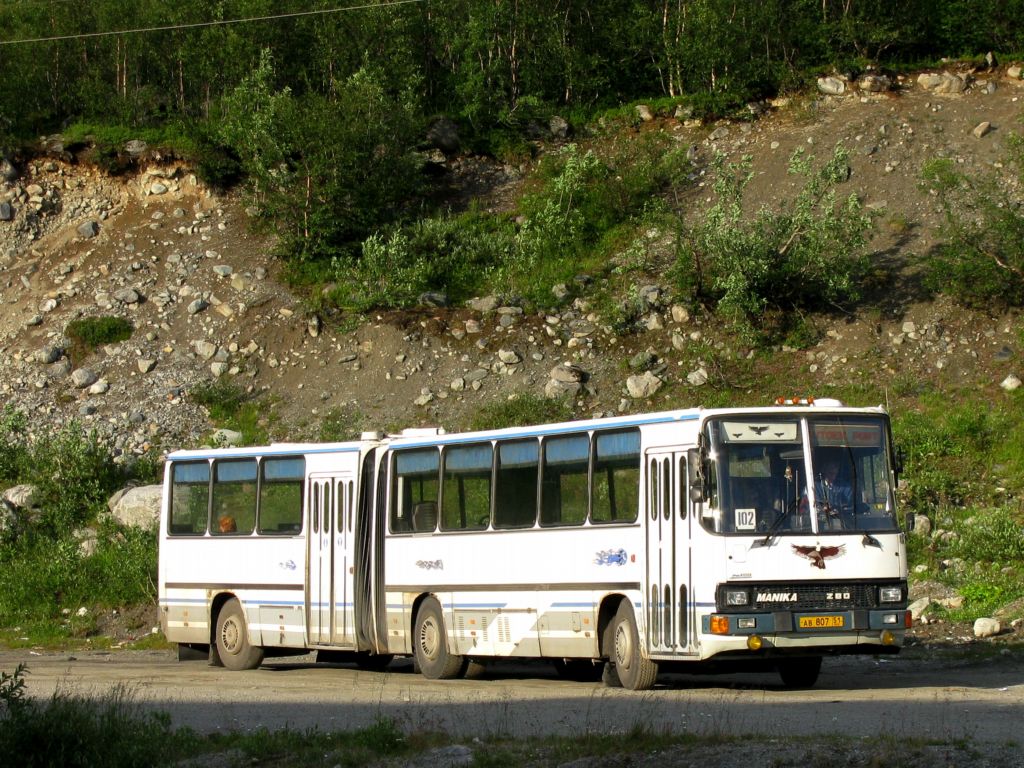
(890, 594)
(736, 597)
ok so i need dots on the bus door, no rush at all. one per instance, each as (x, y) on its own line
(668, 604)
(343, 626)
(327, 592)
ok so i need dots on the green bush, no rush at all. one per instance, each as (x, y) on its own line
(759, 269)
(75, 730)
(991, 536)
(222, 398)
(92, 332)
(980, 263)
(455, 255)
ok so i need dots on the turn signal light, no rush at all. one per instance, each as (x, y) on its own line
(719, 625)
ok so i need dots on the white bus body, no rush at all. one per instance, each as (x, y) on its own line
(619, 545)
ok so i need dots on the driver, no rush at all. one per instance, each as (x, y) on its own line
(832, 493)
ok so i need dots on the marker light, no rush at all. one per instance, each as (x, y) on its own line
(794, 401)
(908, 619)
(719, 625)
(754, 642)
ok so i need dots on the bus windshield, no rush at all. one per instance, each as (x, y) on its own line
(799, 475)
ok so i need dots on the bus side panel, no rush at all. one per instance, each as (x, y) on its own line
(264, 573)
(524, 593)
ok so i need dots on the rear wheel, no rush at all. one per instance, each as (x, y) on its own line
(233, 639)
(633, 670)
(799, 673)
(431, 644)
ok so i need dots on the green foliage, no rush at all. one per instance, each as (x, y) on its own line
(991, 536)
(754, 268)
(953, 448)
(92, 332)
(75, 730)
(520, 410)
(222, 398)
(327, 170)
(232, 407)
(12, 691)
(450, 254)
(980, 263)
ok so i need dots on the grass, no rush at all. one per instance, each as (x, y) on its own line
(111, 729)
(91, 332)
(230, 406)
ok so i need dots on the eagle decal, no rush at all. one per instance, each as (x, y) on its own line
(819, 554)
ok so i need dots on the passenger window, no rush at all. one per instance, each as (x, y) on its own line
(234, 497)
(616, 497)
(190, 498)
(466, 495)
(414, 492)
(515, 504)
(565, 481)
(281, 485)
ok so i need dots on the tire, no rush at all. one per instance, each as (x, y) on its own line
(579, 670)
(430, 644)
(609, 676)
(799, 673)
(233, 646)
(634, 671)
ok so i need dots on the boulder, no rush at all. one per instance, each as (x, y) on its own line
(986, 627)
(831, 86)
(942, 83)
(137, 507)
(643, 385)
(444, 135)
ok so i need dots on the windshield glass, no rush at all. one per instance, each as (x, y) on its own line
(759, 475)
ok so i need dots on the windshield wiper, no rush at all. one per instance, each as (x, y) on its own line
(775, 526)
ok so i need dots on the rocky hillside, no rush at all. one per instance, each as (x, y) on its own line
(206, 300)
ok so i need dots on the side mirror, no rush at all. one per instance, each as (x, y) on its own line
(695, 470)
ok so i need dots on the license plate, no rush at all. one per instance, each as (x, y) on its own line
(821, 622)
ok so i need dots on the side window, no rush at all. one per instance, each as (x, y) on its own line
(565, 482)
(683, 486)
(414, 491)
(190, 498)
(234, 496)
(616, 495)
(466, 495)
(515, 495)
(281, 484)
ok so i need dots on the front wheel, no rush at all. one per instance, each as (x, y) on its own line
(800, 673)
(233, 645)
(431, 644)
(632, 669)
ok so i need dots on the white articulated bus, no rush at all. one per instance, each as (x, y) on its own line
(700, 539)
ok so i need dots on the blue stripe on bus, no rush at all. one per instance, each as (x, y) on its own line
(566, 429)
